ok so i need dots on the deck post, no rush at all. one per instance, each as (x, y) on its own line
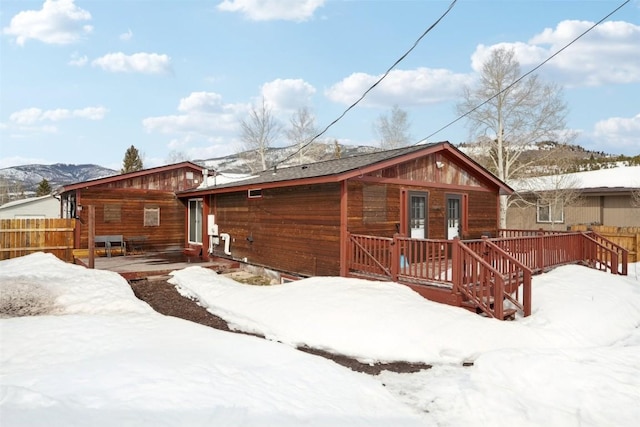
(526, 293)
(456, 268)
(91, 234)
(395, 258)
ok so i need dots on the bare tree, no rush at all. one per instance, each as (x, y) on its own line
(508, 116)
(393, 130)
(259, 130)
(302, 130)
(176, 156)
(635, 197)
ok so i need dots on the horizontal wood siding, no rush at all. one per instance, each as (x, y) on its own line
(292, 229)
(377, 212)
(121, 211)
(19, 237)
(374, 209)
(482, 214)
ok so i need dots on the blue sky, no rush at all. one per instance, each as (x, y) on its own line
(80, 81)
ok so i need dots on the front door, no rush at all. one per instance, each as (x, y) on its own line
(418, 215)
(454, 216)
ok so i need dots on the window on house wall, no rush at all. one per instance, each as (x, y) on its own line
(112, 213)
(151, 217)
(254, 193)
(550, 212)
(195, 221)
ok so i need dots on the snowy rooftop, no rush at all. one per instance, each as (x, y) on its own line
(617, 177)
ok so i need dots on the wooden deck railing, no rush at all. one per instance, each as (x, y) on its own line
(541, 250)
(422, 260)
(515, 276)
(486, 271)
(370, 255)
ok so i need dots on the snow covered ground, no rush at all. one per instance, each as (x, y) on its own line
(95, 355)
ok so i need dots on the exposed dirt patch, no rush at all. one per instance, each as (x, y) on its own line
(165, 299)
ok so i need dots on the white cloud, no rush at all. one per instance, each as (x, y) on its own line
(204, 115)
(602, 56)
(619, 132)
(58, 22)
(422, 86)
(206, 102)
(268, 10)
(29, 116)
(77, 60)
(287, 94)
(146, 63)
(126, 36)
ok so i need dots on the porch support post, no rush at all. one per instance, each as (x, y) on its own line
(205, 225)
(456, 268)
(344, 218)
(395, 258)
(91, 234)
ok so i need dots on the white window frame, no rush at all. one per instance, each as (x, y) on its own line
(254, 193)
(551, 214)
(195, 221)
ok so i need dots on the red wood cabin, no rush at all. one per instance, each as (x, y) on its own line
(137, 205)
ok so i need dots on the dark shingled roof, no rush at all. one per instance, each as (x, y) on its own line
(325, 168)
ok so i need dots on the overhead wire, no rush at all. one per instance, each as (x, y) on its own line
(524, 75)
(431, 27)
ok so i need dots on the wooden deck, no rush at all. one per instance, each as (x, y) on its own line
(133, 267)
(489, 276)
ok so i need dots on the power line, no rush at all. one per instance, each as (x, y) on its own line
(431, 27)
(524, 75)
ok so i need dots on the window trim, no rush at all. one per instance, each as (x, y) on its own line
(550, 212)
(198, 224)
(254, 193)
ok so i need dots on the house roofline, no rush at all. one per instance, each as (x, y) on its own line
(353, 173)
(123, 176)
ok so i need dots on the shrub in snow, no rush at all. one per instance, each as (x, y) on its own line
(20, 298)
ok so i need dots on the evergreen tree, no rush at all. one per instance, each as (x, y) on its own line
(132, 161)
(44, 188)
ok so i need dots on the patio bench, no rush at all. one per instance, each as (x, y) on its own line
(109, 241)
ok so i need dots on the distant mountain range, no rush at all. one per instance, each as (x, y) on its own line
(25, 178)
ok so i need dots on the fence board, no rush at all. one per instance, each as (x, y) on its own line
(19, 237)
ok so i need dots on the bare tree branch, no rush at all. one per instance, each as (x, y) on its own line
(514, 119)
(393, 130)
(259, 131)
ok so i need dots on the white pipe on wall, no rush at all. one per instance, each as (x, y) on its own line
(227, 242)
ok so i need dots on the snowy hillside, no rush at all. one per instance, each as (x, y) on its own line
(29, 176)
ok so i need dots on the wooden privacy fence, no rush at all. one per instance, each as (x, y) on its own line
(627, 237)
(19, 237)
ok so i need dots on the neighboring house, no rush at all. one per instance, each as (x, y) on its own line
(139, 204)
(600, 197)
(33, 207)
(297, 219)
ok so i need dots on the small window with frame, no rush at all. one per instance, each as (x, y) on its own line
(254, 193)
